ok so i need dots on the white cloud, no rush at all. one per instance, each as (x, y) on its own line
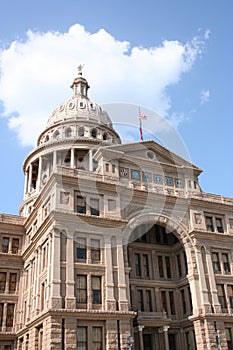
(36, 74)
(204, 96)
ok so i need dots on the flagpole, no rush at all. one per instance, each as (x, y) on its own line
(140, 123)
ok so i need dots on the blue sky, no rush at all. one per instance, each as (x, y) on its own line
(173, 57)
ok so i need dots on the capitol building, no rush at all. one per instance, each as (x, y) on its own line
(115, 246)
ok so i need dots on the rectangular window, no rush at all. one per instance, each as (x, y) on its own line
(81, 289)
(1, 313)
(97, 338)
(216, 263)
(137, 265)
(2, 281)
(219, 225)
(172, 303)
(82, 338)
(94, 207)
(95, 251)
(81, 205)
(226, 264)
(221, 296)
(168, 267)
(230, 293)
(164, 300)
(5, 244)
(183, 300)
(179, 265)
(209, 224)
(15, 245)
(145, 265)
(96, 290)
(111, 205)
(81, 249)
(169, 181)
(10, 315)
(160, 265)
(12, 282)
(148, 301)
(229, 338)
(140, 300)
(113, 168)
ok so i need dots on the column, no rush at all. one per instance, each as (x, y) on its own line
(110, 300)
(70, 301)
(54, 160)
(37, 295)
(202, 282)
(26, 182)
(38, 184)
(28, 314)
(166, 340)
(30, 178)
(213, 288)
(90, 160)
(55, 300)
(140, 335)
(72, 165)
(123, 302)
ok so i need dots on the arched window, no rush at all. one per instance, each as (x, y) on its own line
(94, 133)
(81, 132)
(105, 136)
(56, 135)
(68, 132)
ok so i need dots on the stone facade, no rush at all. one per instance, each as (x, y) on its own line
(116, 245)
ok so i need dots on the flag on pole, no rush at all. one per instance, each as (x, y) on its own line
(141, 117)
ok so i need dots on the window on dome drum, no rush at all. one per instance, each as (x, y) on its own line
(94, 133)
(164, 301)
(81, 132)
(96, 290)
(2, 282)
(68, 132)
(105, 136)
(81, 249)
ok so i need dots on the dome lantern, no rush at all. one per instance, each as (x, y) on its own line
(80, 85)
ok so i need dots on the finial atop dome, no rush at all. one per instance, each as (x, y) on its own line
(80, 84)
(80, 67)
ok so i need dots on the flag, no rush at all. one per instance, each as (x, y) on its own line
(142, 116)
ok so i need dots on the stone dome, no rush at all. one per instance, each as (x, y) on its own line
(79, 118)
(79, 107)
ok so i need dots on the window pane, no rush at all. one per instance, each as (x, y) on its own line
(5, 244)
(82, 338)
(94, 206)
(96, 290)
(81, 205)
(2, 281)
(81, 289)
(81, 249)
(97, 338)
(1, 313)
(10, 315)
(15, 245)
(12, 282)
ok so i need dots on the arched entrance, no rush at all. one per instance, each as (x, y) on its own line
(159, 289)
